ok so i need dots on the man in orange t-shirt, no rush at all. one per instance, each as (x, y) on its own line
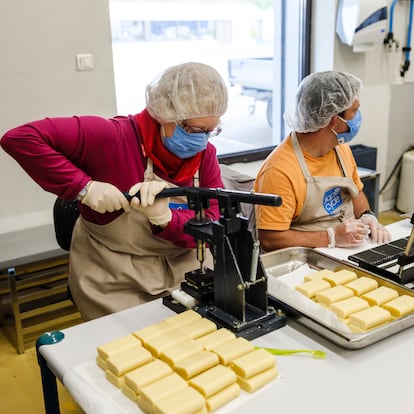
(315, 173)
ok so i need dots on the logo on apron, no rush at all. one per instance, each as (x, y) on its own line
(178, 206)
(332, 200)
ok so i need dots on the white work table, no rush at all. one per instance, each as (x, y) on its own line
(397, 230)
(376, 379)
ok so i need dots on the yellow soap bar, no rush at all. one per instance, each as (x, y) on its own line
(311, 288)
(184, 401)
(318, 275)
(213, 380)
(252, 384)
(118, 345)
(183, 318)
(370, 317)
(252, 363)
(101, 363)
(146, 374)
(149, 332)
(116, 380)
(161, 342)
(146, 406)
(196, 363)
(197, 328)
(340, 277)
(129, 392)
(215, 338)
(131, 358)
(362, 285)
(180, 351)
(217, 400)
(380, 295)
(403, 305)
(233, 349)
(345, 307)
(162, 388)
(334, 294)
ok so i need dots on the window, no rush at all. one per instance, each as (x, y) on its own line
(259, 46)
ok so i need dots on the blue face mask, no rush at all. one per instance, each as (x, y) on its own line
(184, 144)
(353, 125)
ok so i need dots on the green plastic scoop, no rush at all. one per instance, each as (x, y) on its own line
(315, 353)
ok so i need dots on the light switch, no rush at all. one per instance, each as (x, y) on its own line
(84, 61)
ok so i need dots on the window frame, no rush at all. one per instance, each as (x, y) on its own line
(283, 9)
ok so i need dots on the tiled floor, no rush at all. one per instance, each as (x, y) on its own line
(20, 384)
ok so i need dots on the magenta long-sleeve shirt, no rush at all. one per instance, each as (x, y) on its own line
(63, 154)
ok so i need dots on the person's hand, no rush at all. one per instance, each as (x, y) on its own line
(350, 233)
(103, 197)
(157, 211)
(379, 234)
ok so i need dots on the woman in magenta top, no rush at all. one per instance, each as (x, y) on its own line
(126, 253)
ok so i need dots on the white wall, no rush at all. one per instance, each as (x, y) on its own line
(38, 77)
(387, 100)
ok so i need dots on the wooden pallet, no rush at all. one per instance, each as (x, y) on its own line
(38, 297)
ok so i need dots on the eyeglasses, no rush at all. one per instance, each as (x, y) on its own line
(196, 130)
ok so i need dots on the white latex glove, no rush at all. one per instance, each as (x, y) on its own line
(103, 197)
(350, 233)
(157, 211)
(379, 234)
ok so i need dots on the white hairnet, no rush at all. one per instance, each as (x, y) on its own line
(319, 97)
(186, 91)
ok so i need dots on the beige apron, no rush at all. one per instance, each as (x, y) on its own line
(122, 264)
(328, 199)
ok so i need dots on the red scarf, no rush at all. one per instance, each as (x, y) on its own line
(179, 170)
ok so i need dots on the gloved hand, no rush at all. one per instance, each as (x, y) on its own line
(379, 234)
(157, 211)
(350, 233)
(103, 197)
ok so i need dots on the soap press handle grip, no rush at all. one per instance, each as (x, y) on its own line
(239, 196)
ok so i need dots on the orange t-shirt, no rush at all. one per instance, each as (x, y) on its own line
(281, 175)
